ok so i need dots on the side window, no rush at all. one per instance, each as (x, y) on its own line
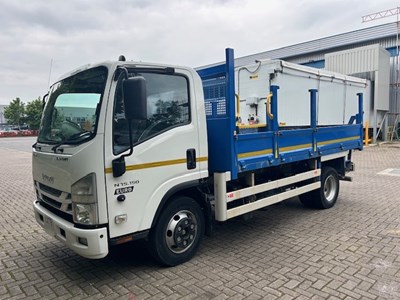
(167, 107)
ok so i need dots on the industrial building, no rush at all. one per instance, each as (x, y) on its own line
(344, 53)
(2, 118)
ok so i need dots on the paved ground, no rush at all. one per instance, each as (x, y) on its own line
(286, 252)
(18, 143)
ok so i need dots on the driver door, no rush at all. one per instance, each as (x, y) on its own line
(163, 145)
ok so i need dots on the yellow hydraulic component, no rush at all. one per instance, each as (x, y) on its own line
(237, 109)
(270, 115)
(367, 140)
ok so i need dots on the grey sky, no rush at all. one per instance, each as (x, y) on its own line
(185, 32)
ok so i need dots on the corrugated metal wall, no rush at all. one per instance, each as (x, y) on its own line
(388, 44)
(353, 61)
(394, 87)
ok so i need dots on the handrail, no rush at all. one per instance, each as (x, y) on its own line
(270, 115)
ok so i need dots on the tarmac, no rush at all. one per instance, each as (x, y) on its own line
(351, 251)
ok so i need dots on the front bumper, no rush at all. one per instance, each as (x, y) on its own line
(89, 243)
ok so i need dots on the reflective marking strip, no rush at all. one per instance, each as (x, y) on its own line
(252, 126)
(269, 151)
(201, 159)
(290, 148)
(157, 164)
(255, 153)
(338, 140)
(297, 147)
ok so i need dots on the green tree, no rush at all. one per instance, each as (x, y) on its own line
(33, 113)
(15, 112)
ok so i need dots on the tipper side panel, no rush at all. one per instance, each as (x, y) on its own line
(238, 148)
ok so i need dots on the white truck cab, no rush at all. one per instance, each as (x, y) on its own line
(84, 130)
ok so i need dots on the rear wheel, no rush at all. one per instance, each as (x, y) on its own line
(326, 196)
(178, 232)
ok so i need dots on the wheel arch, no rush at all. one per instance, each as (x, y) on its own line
(339, 164)
(190, 190)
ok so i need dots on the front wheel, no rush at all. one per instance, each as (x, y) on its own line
(178, 232)
(326, 196)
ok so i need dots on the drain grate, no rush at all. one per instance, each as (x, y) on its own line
(390, 172)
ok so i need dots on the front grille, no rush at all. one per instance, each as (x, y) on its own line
(50, 190)
(57, 212)
(59, 201)
(51, 202)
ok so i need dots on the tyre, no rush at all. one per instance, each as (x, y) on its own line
(326, 196)
(178, 232)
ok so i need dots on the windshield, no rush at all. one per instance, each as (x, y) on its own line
(71, 113)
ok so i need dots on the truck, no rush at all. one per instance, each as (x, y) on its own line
(133, 150)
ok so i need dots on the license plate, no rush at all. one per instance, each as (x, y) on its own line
(48, 225)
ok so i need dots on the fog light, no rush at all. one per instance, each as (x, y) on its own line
(83, 241)
(121, 219)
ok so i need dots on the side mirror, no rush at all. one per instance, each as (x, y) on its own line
(135, 98)
(135, 102)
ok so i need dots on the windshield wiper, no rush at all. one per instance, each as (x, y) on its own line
(71, 140)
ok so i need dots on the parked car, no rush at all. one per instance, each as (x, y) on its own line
(8, 132)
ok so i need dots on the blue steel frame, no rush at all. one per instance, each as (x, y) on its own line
(236, 152)
(219, 95)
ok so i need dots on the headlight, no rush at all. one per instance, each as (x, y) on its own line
(84, 200)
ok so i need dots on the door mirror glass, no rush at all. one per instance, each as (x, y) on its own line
(135, 98)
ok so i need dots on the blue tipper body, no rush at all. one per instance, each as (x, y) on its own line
(236, 152)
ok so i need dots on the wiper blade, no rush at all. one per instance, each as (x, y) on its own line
(54, 148)
(79, 135)
(71, 140)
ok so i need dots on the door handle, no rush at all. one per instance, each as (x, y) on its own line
(191, 159)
